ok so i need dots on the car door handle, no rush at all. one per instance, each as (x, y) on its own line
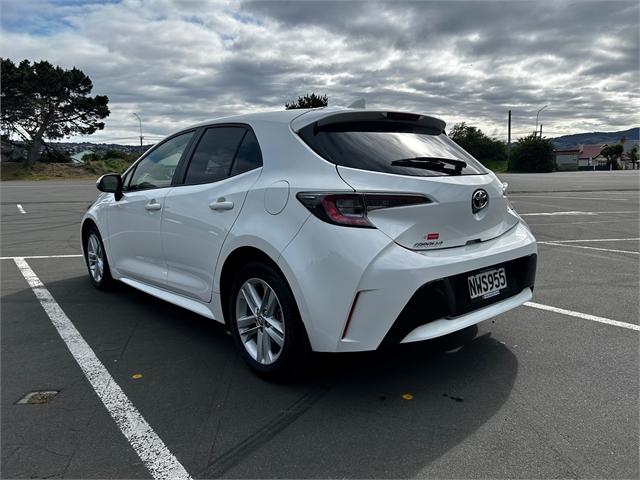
(221, 204)
(152, 206)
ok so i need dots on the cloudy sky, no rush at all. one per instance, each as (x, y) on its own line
(178, 62)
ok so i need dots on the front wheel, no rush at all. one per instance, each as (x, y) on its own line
(266, 324)
(96, 260)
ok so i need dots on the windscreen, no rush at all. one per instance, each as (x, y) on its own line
(401, 148)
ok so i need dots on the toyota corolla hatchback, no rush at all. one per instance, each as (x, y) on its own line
(327, 230)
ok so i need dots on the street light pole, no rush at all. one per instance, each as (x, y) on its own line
(141, 137)
(535, 132)
(509, 142)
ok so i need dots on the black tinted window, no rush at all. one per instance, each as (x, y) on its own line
(213, 157)
(249, 156)
(157, 168)
(390, 147)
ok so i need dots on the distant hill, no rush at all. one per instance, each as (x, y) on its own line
(568, 141)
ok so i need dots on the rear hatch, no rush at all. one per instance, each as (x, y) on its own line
(399, 153)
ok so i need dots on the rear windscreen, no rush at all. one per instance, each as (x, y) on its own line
(401, 148)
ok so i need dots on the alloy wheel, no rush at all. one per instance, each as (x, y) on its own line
(260, 321)
(95, 258)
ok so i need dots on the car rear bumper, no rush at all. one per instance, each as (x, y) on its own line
(444, 326)
(357, 288)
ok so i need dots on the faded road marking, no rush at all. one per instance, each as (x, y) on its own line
(154, 454)
(41, 256)
(572, 212)
(584, 316)
(555, 244)
(595, 240)
(571, 198)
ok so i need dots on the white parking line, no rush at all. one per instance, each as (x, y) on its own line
(555, 244)
(61, 184)
(620, 220)
(20, 209)
(573, 212)
(572, 198)
(154, 454)
(596, 240)
(584, 316)
(41, 256)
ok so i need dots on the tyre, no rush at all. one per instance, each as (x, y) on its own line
(265, 322)
(96, 259)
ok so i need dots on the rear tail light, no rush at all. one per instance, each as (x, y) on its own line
(350, 209)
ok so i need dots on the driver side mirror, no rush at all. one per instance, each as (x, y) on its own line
(111, 183)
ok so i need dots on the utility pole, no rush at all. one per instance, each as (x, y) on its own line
(509, 143)
(540, 131)
(141, 137)
(537, 115)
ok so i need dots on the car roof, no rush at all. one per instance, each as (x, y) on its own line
(299, 118)
(278, 116)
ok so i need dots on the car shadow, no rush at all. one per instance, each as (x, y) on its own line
(366, 415)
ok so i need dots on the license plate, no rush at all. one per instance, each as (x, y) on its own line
(487, 284)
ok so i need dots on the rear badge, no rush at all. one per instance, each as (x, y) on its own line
(479, 200)
(432, 241)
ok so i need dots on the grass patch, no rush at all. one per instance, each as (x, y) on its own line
(497, 166)
(107, 165)
(61, 171)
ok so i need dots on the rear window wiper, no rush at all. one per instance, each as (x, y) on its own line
(432, 163)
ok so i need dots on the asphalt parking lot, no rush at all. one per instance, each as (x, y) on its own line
(549, 390)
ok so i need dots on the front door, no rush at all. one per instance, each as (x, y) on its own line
(135, 220)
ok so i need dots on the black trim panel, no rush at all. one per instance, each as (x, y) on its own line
(449, 297)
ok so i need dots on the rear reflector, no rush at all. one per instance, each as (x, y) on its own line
(350, 209)
(348, 322)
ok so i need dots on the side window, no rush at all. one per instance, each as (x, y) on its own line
(249, 156)
(157, 168)
(213, 157)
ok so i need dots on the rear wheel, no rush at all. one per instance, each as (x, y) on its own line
(96, 259)
(265, 322)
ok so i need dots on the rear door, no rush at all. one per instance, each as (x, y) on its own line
(200, 212)
(134, 220)
(466, 203)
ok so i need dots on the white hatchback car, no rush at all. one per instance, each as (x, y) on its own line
(327, 230)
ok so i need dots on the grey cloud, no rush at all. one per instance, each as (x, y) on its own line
(182, 62)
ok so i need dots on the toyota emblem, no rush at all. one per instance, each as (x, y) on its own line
(479, 200)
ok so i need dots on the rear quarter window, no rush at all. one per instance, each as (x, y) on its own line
(390, 147)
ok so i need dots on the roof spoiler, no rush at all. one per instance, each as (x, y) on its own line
(323, 118)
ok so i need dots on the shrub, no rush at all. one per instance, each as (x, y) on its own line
(532, 154)
(485, 149)
(53, 156)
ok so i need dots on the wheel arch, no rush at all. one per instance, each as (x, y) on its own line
(237, 258)
(92, 222)
(87, 223)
